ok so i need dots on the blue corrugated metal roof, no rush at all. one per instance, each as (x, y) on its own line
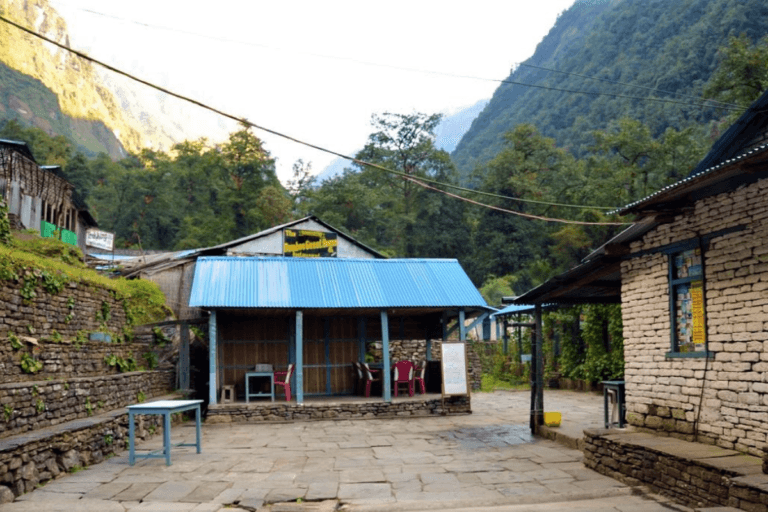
(303, 283)
(514, 308)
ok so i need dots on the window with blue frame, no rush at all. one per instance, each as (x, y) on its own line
(687, 309)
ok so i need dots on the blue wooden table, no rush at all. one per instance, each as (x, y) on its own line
(165, 408)
(266, 375)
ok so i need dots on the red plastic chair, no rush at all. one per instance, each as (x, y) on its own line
(420, 378)
(284, 379)
(368, 379)
(404, 375)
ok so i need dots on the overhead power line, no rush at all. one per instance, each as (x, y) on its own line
(653, 89)
(701, 103)
(276, 133)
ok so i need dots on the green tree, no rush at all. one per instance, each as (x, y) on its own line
(742, 74)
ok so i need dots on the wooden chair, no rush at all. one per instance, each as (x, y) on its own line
(369, 378)
(283, 379)
(404, 375)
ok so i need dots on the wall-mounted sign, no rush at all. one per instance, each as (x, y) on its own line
(304, 243)
(99, 239)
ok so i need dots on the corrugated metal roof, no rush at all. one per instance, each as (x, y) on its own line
(306, 283)
(511, 309)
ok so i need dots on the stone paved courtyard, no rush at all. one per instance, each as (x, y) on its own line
(480, 460)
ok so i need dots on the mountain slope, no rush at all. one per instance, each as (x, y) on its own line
(669, 46)
(93, 107)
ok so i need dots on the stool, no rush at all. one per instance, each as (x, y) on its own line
(227, 394)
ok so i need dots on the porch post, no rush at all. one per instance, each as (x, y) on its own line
(361, 339)
(537, 380)
(299, 357)
(462, 327)
(505, 337)
(212, 363)
(385, 381)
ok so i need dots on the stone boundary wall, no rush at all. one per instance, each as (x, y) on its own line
(714, 482)
(46, 313)
(665, 395)
(65, 360)
(42, 456)
(416, 350)
(31, 406)
(257, 413)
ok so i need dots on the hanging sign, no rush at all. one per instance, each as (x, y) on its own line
(454, 365)
(99, 239)
(304, 243)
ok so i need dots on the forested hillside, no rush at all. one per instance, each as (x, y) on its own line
(540, 169)
(660, 45)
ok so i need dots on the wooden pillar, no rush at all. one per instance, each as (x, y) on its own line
(462, 327)
(299, 357)
(385, 379)
(506, 337)
(212, 362)
(537, 377)
(361, 338)
(184, 367)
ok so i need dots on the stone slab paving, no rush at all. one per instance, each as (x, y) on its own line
(487, 459)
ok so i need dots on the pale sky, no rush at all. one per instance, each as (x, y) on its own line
(315, 69)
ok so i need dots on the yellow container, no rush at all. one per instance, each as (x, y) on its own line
(552, 419)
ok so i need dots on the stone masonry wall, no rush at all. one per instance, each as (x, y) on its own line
(38, 458)
(30, 406)
(62, 360)
(690, 475)
(664, 394)
(416, 350)
(78, 307)
(247, 413)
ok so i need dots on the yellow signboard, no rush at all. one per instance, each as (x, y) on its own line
(304, 243)
(697, 313)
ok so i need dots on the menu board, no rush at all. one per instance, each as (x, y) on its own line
(454, 365)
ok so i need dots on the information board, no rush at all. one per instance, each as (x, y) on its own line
(99, 239)
(454, 365)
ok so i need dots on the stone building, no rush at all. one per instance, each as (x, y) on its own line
(692, 277)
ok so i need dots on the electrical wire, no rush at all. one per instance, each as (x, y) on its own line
(520, 214)
(268, 130)
(720, 103)
(431, 72)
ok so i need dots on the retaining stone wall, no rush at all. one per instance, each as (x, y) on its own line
(694, 483)
(46, 313)
(664, 395)
(30, 406)
(64, 360)
(252, 413)
(25, 463)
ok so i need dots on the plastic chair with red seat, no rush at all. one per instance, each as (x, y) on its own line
(404, 375)
(369, 379)
(284, 379)
(420, 377)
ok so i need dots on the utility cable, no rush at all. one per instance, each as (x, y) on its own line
(653, 89)
(520, 214)
(424, 71)
(248, 123)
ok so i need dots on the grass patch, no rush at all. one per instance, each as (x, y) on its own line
(48, 259)
(490, 384)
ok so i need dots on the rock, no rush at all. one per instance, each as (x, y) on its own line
(6, 495)
(29, 472)
(69, 460)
